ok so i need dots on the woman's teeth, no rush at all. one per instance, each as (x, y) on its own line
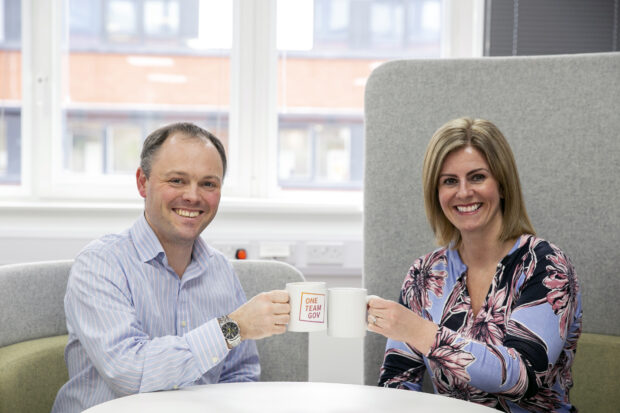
(470, 208)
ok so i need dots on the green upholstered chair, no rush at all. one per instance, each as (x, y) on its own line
(32, 335)
(33, 331)
(32, 373)
(596, 373)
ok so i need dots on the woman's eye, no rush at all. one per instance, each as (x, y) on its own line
(449, 181)
(478, 177)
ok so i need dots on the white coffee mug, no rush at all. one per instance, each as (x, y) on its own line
(308, 302)
(347, 313)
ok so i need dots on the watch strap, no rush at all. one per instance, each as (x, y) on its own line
(231, 341)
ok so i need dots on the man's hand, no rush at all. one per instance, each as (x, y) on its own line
(264, 315)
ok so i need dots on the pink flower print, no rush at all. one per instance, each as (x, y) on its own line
(457, 302)
(563, 286)
(422, 278)
(466, 392)
(520, 387)
(489, 324)
(448, 360)
(413, 374)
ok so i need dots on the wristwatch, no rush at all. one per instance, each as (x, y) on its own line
(230, 330)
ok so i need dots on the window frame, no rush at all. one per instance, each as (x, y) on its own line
(253, 113)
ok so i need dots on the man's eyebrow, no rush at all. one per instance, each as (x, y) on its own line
(175, 172)
(217, 178)
(184, 174)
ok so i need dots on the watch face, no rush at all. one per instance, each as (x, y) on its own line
(230, 330)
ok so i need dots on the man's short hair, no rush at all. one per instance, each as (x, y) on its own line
(156, 139)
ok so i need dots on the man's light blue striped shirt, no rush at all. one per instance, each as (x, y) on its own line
(134, 326)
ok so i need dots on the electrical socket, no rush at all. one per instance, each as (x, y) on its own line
(325, 253)
(274, 249)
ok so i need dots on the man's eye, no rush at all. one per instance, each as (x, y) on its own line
(175, 181)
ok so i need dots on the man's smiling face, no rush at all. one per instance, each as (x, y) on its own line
(183, 191)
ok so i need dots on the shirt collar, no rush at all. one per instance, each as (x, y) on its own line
(146, 242)
(148, 245)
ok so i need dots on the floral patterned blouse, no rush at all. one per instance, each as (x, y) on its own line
(516, 354)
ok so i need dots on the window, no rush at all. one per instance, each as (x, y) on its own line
(327, 49)
(150, 65)
(281, 82)
(10, 92)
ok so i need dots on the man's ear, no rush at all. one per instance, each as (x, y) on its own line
(141, 180)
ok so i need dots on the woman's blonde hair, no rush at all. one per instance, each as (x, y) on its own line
(485, 137)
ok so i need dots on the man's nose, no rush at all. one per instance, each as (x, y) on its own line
(191, 192)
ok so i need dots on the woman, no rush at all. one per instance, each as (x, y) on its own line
(494, 314)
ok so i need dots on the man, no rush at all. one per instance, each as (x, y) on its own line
(154, 307)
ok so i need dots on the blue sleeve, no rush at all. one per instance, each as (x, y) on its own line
(100, 313)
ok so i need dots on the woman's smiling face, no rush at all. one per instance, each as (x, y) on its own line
(469, 194)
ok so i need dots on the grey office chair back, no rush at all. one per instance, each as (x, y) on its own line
(31, 300)
(282, 357)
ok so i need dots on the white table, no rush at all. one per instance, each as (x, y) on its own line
(289, 397)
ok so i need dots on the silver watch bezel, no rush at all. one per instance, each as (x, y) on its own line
(234, 341)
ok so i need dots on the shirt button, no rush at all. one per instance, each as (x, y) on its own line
(183, 323)
(215, 359)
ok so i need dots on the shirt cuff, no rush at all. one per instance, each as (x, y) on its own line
(207, 345)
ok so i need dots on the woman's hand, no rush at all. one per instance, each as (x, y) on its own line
(397, 322)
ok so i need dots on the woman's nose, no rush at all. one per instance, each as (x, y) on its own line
(464, 190)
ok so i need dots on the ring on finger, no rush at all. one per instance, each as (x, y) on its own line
(373, 319)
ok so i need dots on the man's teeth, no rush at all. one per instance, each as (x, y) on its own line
(186, 213)
(470, 208)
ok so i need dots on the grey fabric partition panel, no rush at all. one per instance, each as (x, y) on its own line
(561, 115)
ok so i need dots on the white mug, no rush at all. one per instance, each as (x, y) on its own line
(308, 302)
(347, 313)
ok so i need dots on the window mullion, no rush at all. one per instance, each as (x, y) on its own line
(253, 110)
(462, 28)
(41, 92)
